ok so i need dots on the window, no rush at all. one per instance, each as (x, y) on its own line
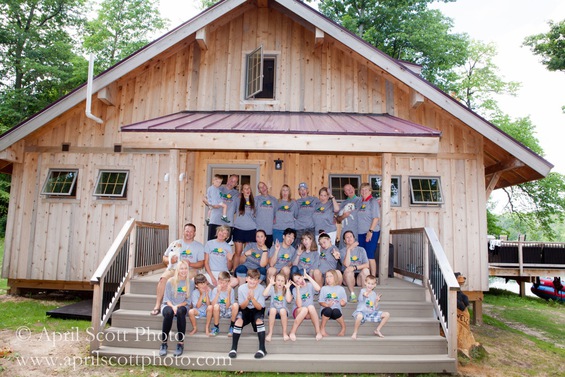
(425, 190)
(376, 187)
(338, 181)
(111, 183)
(260, 75)
(60, 182)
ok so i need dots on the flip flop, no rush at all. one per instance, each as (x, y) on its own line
(155, 311)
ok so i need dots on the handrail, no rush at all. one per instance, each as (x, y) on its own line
(133, 250)
(419, 254)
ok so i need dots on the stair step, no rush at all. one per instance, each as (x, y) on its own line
(409, 345)
(303, 363)
(395, 326)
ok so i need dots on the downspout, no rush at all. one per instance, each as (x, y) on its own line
(89, 91)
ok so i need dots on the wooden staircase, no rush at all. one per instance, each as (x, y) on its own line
(412, 343)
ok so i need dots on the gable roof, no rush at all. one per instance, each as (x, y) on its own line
(310, 18)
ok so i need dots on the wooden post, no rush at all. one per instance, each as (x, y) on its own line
(175, 177)
(384, 221)
(521, 266)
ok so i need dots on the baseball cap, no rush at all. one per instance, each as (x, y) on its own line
(303, 185)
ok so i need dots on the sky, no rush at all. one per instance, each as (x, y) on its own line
(505, 23)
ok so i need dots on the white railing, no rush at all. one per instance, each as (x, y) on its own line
(419, 255)
(137, 248)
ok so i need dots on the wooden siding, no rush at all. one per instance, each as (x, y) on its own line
(64, 239)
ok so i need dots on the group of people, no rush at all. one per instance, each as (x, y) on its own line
(287, 244)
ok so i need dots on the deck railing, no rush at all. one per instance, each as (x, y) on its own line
(527, 254)
(420, 256)
(137, 248)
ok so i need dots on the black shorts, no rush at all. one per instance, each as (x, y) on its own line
(251, 316)
(244, 236)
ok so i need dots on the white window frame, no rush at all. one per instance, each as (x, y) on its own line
(395, 189)
(254, 72)
(337, 192)
(431, 200)
(49, 179)
(121, 194)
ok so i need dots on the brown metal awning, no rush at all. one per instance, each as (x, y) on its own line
(240, 130)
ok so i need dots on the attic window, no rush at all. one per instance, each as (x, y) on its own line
(425, 190)
(260, 75)
(60, 182)
(112, 183)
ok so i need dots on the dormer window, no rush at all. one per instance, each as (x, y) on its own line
(260, 75)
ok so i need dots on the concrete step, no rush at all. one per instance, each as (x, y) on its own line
(289, 363)
(124, 318)
(407, 345)
(145, 302)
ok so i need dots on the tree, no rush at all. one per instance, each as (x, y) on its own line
(37, 61)
(550, 46)
(406, 30)
(121, 28)
(479, 80)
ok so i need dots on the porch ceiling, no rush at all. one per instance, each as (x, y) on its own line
(240, 130)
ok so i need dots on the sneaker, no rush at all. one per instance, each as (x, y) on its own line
(353, 298)
(232, 354)
(214, 331)
(225, 219)
(179, 350)
(163, 349)
(260, 354)
(230, 331)
(207, 221)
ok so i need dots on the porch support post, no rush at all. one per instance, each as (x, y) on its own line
(174, 184)
(384, 240)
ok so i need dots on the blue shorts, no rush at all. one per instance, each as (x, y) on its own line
(375, 316)
(241, 271)
(244, 236)
(201, 312)
(371, 246)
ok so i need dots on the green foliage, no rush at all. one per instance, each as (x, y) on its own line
(121, 28)
(36, 64)
(550, 46)
(479, 80)
(493, 224)
(406, 30)
(207, 3)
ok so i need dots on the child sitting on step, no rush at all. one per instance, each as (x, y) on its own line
(276, 289)
(304, 308)
(251, 310)
(332, 298)
(200, 299)
(175, 303)
(222, 305)
(368, 308)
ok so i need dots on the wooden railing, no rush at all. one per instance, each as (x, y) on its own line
(419, 255)
(137, 248)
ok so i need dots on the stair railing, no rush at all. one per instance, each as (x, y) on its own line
(419, 255)
(137, 248)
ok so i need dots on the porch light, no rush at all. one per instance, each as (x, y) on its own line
(278, 164)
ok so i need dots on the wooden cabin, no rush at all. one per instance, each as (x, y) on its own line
(330, 109)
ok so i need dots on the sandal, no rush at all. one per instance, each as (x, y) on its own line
(155, 311)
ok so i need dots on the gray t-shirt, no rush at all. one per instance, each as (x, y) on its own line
(327, 261)
(306, 293)
(223, 297)
(243, 291)
(193, 252)
(367, 212)
(333, 294)
(358, 256)
(253, 261)
(177, 297)
(265, 207)
(306, 207)
(278, 300)
(213, 195)
(350, 223)
(285, 256)
(308, 260)
(218, 254)
(368, 304)
(228, 196)
(323, 218)
(247, 220)
(197, 296)
(285, 214)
